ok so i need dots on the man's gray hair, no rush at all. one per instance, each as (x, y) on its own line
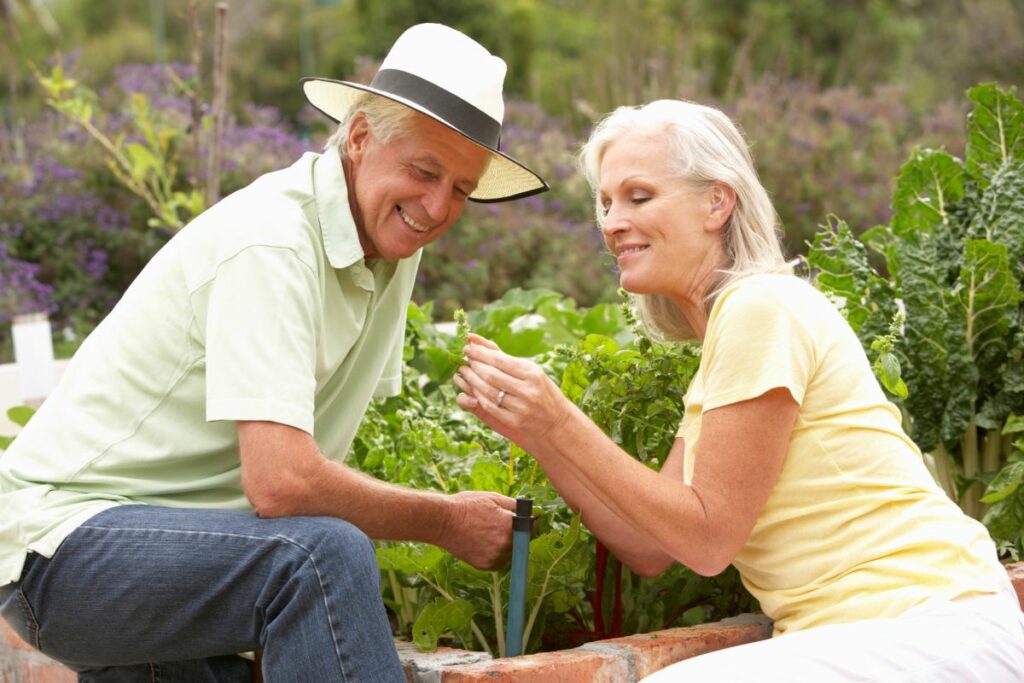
(706, 147)
(386, 118)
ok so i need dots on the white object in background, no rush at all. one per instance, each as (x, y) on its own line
(33, 352)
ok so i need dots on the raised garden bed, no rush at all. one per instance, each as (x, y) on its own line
(616, 660)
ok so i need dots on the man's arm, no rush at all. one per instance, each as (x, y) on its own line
(284, 474)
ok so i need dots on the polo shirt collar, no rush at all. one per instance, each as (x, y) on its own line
(341, 239)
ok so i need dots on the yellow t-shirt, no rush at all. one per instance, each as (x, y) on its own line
(855, 527)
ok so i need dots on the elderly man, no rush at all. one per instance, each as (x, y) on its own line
(171, 504)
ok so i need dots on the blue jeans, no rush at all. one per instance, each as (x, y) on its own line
(143, 593)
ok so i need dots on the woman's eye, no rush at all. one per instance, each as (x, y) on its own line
(639, 199)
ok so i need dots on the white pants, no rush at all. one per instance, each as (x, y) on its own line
(978, 639)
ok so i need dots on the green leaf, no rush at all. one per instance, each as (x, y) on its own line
(989, 296)
(999, 215)
(142, 161)
(1014, 424)
(928, 186)
(887, 368)
(5, 442)
(995, 131)
(1005, 483)
(411, 558)
(440, 617)
(924, 255)
(20, 415)
(841, 269)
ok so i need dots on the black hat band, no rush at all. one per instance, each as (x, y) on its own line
(469, 120)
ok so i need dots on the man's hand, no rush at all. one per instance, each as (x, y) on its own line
(284, 474)
(478, 528)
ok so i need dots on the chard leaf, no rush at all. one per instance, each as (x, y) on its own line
(1010, 395)
(928, 187)
(989, 296)
(1005, 483)
(440, 617)
(411, 558)
(1014, 424)
(840, 265)
(924, 258)
(999, 216)
(995, 131)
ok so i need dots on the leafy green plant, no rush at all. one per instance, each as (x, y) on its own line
(1005, 517)
(955, 254)
(149, 168)
(576, 591)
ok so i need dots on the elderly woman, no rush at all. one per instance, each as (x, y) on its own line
(789, 464)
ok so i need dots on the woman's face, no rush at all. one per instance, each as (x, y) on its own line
(663, 233)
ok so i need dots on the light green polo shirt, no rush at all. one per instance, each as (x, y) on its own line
(262, 308)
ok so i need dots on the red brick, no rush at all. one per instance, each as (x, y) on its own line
(652, 652)
(1016, 572)
(12, 639)
(564, 666)
(20, 663)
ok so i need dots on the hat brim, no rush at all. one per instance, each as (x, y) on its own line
(504, 179)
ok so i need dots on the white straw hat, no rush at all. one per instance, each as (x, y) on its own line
(451, 78)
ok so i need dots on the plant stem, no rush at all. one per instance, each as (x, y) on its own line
(405, 616)
(192, 14)
(542, 593)
(472, 624)
(220, 87)
(991, 452)
(499, 626)
(945, 474)
(991, 460)
(969, 450)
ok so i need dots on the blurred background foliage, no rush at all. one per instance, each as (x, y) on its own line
(832, 95)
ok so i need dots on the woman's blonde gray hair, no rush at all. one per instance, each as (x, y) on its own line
(706, 148)
(387, 119)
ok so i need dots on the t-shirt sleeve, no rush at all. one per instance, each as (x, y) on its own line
(756, 342)
(261, 342)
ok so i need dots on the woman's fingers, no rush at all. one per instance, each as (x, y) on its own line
(475, 338)
(487, 385)
(489, 354)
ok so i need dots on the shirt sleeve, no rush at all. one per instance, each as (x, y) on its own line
(261, 338)
(757, 341)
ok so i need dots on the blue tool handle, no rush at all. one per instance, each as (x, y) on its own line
(522, 528)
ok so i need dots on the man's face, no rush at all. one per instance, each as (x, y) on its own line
(407, 193)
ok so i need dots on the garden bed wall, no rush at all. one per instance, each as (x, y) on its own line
(616, 660)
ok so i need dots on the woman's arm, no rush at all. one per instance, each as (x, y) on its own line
(740, 454)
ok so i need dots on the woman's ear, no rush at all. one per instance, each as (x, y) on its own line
(721, 202)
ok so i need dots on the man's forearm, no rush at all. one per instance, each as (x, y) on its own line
(383, 511)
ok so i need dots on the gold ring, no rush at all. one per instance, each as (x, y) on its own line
(501, 397)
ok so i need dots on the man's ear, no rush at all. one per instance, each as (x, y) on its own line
(358, 137)
(721, 202)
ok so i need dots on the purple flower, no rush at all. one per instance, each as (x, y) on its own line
(20, 291)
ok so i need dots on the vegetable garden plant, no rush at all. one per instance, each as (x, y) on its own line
(954, 252)
(631, 386)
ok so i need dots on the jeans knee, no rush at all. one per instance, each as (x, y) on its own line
(342, 547)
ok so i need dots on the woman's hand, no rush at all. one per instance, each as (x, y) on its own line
(511, 395)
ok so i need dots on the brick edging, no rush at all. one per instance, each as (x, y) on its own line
(616, 660)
